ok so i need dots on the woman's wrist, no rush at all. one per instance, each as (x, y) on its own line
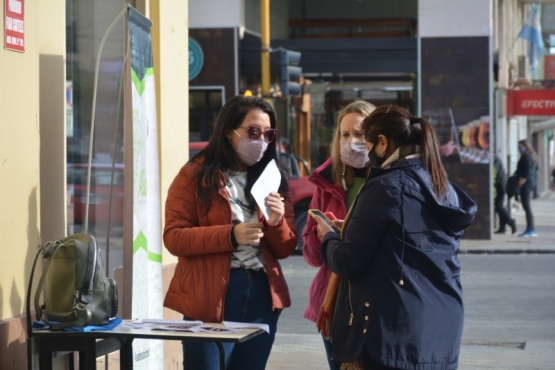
(277, 224)
(233, 239)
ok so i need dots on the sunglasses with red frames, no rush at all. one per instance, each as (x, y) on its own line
(254, 133)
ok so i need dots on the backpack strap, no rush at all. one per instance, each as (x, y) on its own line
(68, 318)
(29, 289)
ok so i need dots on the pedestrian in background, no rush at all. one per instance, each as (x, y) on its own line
(500, 185)
(400, 303)
(526, 171)
(227, 250)
(337, 181)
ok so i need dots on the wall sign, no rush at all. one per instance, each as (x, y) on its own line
(14, 25)
(549, 66)
(196, 59)
(531, 103)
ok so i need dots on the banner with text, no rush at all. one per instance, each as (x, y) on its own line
(147, 234)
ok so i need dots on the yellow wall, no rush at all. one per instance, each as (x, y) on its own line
(171, 61)
(32, 144)
(19, 165)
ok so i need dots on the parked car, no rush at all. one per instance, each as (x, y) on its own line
(301, 188)
(99, 197)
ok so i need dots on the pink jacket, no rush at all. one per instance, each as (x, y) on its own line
(327, 198)
(202, 243)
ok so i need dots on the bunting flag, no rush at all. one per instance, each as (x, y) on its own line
(532, 32)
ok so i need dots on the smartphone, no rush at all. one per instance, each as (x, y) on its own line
(317, 212)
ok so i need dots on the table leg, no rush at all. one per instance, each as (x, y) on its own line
(87, 357)
(45, 355)
(222, 355)
(126, 354)
(71, 359)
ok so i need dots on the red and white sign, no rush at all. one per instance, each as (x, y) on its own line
(531, 103)
(549, 67)
(14, 25)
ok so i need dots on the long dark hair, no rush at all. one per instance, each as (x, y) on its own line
(401, 128)
(529, 150)
(220, 156)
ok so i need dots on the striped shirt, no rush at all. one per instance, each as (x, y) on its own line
(246, 256)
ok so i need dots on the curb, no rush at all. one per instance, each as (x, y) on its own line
(507, 251)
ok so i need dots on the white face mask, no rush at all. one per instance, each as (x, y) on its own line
(251, 151)
(354, 153)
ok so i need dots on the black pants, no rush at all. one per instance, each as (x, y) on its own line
(525, 197)
(504, 217)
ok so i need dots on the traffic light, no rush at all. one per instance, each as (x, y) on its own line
(290, 72)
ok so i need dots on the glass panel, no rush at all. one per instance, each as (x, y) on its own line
(204, 105)
(87, 21)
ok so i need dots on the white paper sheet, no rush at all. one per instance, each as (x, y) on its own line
(267, 183)
(241, 325)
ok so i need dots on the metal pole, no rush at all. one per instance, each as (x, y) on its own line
(265, 44)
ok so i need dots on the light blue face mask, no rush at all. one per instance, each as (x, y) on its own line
(522, 149)
(354, 153)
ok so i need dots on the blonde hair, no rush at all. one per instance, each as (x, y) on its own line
(363, 108)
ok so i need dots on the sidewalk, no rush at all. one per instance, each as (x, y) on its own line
(544, 219)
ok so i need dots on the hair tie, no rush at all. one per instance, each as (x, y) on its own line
(414, 120)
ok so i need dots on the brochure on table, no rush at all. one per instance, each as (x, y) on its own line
(193, 326)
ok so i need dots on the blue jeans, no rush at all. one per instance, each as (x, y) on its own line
(247, 300)
(334, 365)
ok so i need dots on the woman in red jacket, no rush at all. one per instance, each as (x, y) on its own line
(227, 250)
(337, 183)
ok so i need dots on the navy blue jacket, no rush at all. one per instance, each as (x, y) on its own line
(527, 168)
(400, 301)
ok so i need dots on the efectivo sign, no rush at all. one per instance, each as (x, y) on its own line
(531, 103)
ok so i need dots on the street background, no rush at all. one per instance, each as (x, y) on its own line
(509, 302)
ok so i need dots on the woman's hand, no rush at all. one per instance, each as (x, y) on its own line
(248, 233)
(274, 202)
(323, 228)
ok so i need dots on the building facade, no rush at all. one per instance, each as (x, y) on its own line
(454, 62)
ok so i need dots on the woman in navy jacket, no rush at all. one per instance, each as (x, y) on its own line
(400, 304)
(526, 172)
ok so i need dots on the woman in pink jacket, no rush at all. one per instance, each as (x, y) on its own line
(227, 250)
(337, 182)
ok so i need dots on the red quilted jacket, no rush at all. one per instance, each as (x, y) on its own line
(202, 243)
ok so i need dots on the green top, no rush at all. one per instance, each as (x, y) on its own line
(353, 190)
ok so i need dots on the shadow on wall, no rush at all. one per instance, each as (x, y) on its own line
(13, 330)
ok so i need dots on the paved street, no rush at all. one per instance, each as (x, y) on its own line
(509, 298)
(509, 324)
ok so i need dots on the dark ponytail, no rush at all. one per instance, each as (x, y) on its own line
(401, 128)
(431, 156)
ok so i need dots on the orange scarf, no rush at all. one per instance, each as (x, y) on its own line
(325, 316)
